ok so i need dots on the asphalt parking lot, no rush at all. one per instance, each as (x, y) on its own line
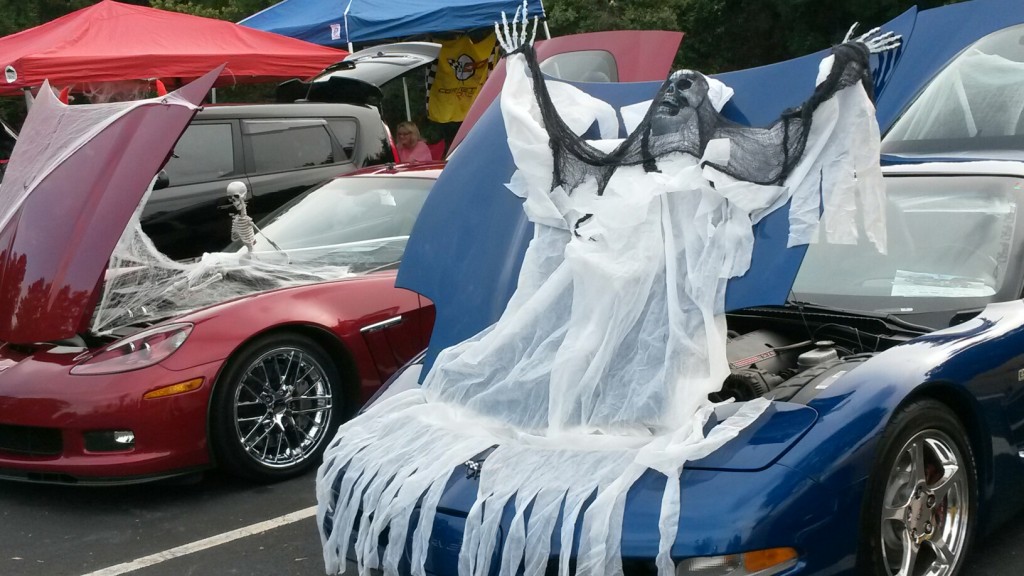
(221, 526)
(216, 526)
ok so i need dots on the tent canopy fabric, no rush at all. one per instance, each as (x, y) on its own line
(110, 41)
(338, 22)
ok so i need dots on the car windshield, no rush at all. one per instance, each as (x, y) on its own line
(954, 243)
(362, 222)
(974, 107)
(347, 227)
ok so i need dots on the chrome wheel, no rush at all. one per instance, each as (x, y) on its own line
(282, 407)
(926, 507)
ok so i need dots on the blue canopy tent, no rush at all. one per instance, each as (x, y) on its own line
(344, 22)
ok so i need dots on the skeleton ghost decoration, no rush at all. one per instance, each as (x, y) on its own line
(242, 227)
(599, 370)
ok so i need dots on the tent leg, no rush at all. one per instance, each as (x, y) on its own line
(213, 96)
(28, 98)
(547, 33)
(408, 111)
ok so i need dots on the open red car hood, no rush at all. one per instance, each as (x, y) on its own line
(76, 176)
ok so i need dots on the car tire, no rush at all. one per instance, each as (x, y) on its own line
(921, 500)
(275, 407)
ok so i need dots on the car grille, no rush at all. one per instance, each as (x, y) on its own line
(30, 440)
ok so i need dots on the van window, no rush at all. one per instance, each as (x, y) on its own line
(204, 152)
(279, 145)
(345, 130)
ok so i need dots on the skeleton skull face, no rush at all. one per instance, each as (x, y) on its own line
(684, 91)
(236, 193)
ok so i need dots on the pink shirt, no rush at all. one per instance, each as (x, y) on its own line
(418, 153)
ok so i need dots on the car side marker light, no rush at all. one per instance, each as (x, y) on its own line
(756, 563)
(179, 388)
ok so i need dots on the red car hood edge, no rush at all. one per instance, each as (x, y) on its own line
(54, 249)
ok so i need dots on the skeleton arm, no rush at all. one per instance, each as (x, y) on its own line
(875, 44)
(527, 125)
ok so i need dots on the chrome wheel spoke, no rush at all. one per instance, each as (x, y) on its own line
(314, 398)
(250, 445)
(917, 471)
(245, 438)
(944, 556)
(254, 393)
(312, 410)
(951, 479)
(309, 371)
(909, 558)
(894, 514)
(258, 419)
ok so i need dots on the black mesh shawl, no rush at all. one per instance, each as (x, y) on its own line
(682, 119)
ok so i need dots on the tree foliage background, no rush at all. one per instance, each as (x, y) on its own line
(721, 35)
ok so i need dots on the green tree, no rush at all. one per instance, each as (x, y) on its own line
(723, 35)
(233, 10)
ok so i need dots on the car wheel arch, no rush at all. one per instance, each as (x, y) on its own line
(932, 396)
(330, 343)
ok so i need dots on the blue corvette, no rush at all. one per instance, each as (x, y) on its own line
(896, 429)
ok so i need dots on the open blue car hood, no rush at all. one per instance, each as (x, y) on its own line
(468, 243)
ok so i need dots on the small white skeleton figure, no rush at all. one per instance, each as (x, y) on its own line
(242, 227)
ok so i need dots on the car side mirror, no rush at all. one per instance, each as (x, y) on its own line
(162, 180)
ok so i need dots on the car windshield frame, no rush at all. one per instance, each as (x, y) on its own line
(920, 279)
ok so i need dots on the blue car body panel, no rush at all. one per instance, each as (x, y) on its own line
(798, 478)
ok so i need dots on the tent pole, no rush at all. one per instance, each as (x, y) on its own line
(350, 49)
(213, 95)
(408, 111)
(547, 33)
(28, 98)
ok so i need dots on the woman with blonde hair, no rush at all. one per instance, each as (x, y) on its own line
(411, 147)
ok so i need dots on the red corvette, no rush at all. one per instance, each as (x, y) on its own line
(248, 361)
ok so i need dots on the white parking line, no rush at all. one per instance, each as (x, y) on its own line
(205, 543)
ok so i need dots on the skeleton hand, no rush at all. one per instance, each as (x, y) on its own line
(875, 44)
(511, 37)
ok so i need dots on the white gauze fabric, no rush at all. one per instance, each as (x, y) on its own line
(978, 95)
(598, 370)
(53, 131)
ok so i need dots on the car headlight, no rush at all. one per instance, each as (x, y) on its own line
(756, 563)
(137, 351)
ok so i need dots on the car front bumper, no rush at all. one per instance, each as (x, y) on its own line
(47, 414)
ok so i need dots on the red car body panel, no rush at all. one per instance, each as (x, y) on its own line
(54, 249)
(354, 319)
(38, 391)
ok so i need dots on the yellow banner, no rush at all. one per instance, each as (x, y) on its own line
(462, 68)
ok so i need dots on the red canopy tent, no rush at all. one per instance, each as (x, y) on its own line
(110, 41)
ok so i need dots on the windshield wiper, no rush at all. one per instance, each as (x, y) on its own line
(890, 318)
